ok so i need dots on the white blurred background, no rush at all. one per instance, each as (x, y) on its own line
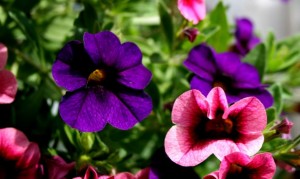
(267, 15)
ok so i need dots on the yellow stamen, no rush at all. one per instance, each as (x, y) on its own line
(97, 76)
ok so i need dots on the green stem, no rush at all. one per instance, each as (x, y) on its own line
(30, 61)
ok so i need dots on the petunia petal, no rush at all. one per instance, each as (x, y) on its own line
(72, 66)
(201, 84)
(249, 115)
(30, 157)
(85, 110)
(137, 77)
(57, 167)
(13, 143)
(253, 42)
(213, 175)
(192, 10)
(3, 56)
(132, 106)
(248, 77)
(228, 63)
(264, 166)
(244, 29)
(89, 110)
(103, 47)
(218, 148)
(182, 147)
(237, 158)
(217, 102)
(201, 61)
(131, 56)
(262, 94)
(188, 108)
(8, 87)
(250, 144)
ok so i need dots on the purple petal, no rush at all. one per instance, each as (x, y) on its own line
(262, 94)
(89, 110)
(130, 56)
(253, 42)
(228, 63)
(133, 107)
(201, 84)
(85, 110)
(103, 47)
(201, 61)
(246, 77)
(244, 29)
(70, 70)
(137, 77)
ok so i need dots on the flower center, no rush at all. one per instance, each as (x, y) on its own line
(221, 84)
(97, 76)
(236, 171)
(219, 127)
(223, 81)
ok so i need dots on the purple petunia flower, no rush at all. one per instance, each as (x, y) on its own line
(245, 38)
(105, 81)
(238, 79)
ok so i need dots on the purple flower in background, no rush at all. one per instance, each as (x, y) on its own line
(245, 38)
(225, 70)
(105, 81)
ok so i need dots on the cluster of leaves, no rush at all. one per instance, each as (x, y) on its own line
(34, 31)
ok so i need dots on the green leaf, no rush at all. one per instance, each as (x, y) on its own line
(218, 17)
(277, 93)
(50, 89)
(257, 57)
(25, 24)
(88, 19)
(166, 24)
(271, 114)
(284, 54)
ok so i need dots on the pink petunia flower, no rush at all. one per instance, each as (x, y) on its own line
(240, 165)
(192, 10)
(91, 173)
(19, 158)
(56, 167)
(8, 82)
(206, 126)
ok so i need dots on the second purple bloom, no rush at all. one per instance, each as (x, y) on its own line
(104, 80)
(225, 70)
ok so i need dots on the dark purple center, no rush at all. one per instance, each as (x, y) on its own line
(102, 77)
(224, 82)
(237, 172)
(217, 128)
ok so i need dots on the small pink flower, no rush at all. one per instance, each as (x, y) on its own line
(142, 174)
(206, 126)
(8, 82)
(284, 127)
(19, 158)
(240, 165)
(192, 10)
(91, 173)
